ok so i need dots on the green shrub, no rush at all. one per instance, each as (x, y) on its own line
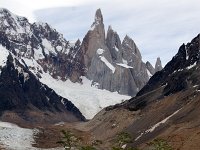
(68, 140)
(123, 138)
(160, 144)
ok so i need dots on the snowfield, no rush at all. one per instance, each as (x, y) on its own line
(3, 56)
(13, 137)
(86, 97)
(89, 99)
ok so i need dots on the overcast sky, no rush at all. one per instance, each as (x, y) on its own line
(158, 27)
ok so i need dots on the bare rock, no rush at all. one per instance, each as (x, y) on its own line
(158, 65)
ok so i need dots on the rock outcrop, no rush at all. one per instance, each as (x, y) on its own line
(150, 68)
(158, 65)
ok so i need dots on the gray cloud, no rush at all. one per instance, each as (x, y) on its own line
(158, 27)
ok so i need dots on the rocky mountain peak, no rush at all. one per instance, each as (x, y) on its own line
(110, 28)
(129, 45)
(150, 68)
(98, 23)
(98, 16)
(158, 65)
(115, 66)
(78, 43)
(94, 39)
(113, 42)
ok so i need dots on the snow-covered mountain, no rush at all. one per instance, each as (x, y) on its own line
(90, 73)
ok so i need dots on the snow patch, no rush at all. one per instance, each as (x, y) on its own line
(60, 123)
(59, 48)
(3, 55)
(157, 125)
(38, 54)
(186, 52)
(191, 66)
(15, 138)
(161, 122)
(124, 146)
(107, 63)
(124, 61)
(149, 73)
(100, 51)
(116, 49)
(48, 47)
(124, 65)
(5, 23)
(66, 51)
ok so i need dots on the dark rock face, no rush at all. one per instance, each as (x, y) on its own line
(20, 91)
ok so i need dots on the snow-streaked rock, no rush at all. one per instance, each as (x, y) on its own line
(120, 67)
(150, 69)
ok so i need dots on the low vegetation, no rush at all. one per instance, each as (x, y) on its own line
(160, 144)
(70, 142)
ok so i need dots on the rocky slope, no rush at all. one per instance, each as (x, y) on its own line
(24, 98)
(167, 106)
